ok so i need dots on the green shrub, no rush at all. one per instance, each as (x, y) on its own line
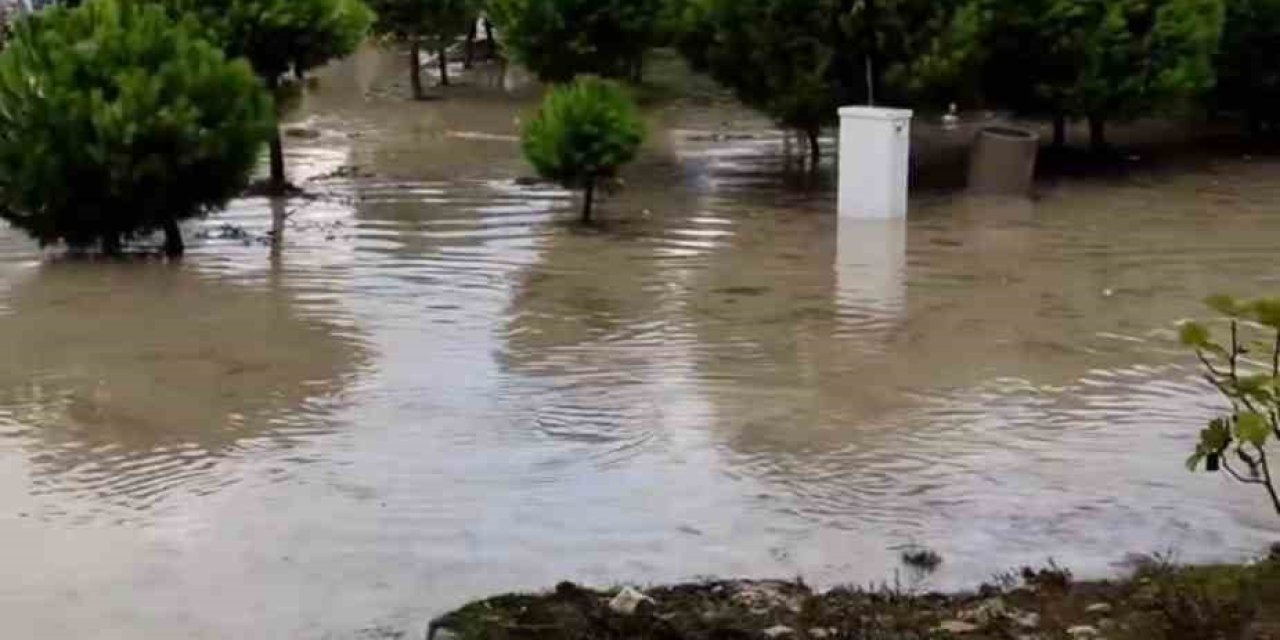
(560, 39)
(1242, 441)
(1248, 64)
(115, 121)
(584, 132)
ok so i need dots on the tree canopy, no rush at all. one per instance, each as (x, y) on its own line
(560, 39)
(116, 121)
(584, 132)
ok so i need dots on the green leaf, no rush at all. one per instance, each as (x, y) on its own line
(1225, 305)
(1266, 312)
(1194, 334)
(1194, 461)
(1253, 428)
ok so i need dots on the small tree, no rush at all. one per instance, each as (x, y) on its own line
(277, 36)
(560, 39)
(1247, 373)
(115, 122)
(433, 23)
(584, 132)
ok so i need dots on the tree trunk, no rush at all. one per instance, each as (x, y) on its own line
(588, 197)
(637, 69)
(1059, 131)
(815, 150)
(173, 245)
(469, 57)
(415, 67)
(873, 52)
(277, 183)
(1097, 133)
(278, 214)
(443, 58)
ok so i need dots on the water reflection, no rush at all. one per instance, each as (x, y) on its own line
(125, 381)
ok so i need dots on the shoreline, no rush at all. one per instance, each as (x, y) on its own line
(1156, 600)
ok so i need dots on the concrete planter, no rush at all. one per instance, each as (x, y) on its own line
(1003, 161)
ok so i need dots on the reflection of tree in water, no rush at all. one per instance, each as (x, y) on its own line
(125, 380)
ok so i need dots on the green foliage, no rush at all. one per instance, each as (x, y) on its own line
(1101, 59)
(1248, 65)
(115, 121)
(279, 35)
(440, 22)
(1252, 389)
(583, 132)
(560, 39)
(798, 61)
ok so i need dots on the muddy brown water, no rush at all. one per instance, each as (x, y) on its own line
(443, 388)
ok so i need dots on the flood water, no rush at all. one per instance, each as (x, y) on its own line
(443, 388)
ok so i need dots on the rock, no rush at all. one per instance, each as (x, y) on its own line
(957, 627)
(988, 612)
(627, 601)
(1098, 608)
(1082, 632)
(779, 631)
(1027, 620)
(821, 634)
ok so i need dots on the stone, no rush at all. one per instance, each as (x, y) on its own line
(1098, 608)
(988, 612)
(1082, 632)
(820, 633)
(627, 601)
(779, 631)
(1029, 620)
(957, 627)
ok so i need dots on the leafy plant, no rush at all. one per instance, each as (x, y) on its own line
(434, 24)
(584, 132)
(560, 39)
(115, 121)
(277, 36)
(1239, 441)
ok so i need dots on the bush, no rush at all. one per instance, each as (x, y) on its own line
(584, 132)
(115, 122)
(1238, 442)
(560, 39)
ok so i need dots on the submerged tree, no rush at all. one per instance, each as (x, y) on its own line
(583, 133)
(115, 122)
(434, 24)
(799, 61)
(1247, 373)
(1100, 60)
(560, 39)
(279, 36)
